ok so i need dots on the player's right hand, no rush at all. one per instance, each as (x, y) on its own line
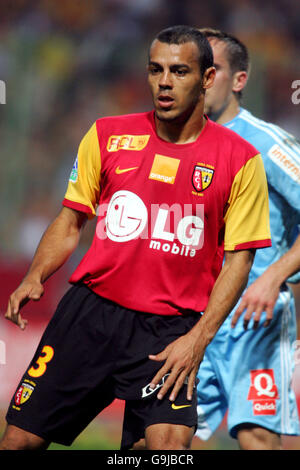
(28, 290)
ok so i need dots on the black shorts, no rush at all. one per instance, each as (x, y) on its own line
(92, 352)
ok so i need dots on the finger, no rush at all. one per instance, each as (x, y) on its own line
(12, 311)
(247, 317)
(13, 314)
(191, 384)
(36, 293)
(162, 356)
(35, 296)
(179, 382)
(16, 318)
(21, 322)
(14, 303)
(269, 316)
(168, 384)
(8, 310)
(257, 317)
(238, 313)
(18, 300)
(159, 375)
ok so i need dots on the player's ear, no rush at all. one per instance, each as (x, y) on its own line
(239, 81)
(209, 77)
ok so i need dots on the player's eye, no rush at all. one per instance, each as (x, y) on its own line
(154, 70)
(180, 72)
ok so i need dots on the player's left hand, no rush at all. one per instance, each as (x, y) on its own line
(182, 359)
(260, 297)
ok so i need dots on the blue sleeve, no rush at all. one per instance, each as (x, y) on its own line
(281, 156)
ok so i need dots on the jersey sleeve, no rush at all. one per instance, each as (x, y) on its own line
(247, 216)
(282, 165)
(83, 189)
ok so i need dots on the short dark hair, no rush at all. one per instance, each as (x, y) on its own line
(237, 52)
(181, 34)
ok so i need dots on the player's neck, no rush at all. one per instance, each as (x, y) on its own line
(229, 112)
(178, 133)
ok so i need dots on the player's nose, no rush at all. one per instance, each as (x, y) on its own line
(165, 80)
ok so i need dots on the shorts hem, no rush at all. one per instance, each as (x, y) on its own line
(189, 425)
(137, 437)
(30, 428)
(234, 429)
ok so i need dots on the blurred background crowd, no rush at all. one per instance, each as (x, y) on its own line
(67, 62)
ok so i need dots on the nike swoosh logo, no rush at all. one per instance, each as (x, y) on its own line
(178, 407)
(119, 170)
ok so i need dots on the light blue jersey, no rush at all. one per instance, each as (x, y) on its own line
(281, 156)
(248, 372)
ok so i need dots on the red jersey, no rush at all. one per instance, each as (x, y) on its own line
(165, 211)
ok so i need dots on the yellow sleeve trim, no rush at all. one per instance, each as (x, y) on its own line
(84, 182)
(247, 215)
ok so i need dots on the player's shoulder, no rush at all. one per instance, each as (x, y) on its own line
(280, 150)
(265, 134)
(233, 139)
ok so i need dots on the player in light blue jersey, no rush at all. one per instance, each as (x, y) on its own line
(248, 367)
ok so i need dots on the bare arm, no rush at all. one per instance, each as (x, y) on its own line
(57, 244)
(183, 356)
(263, 293)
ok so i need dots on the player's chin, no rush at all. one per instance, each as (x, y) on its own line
(166, 115)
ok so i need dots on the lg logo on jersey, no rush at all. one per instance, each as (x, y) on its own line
(263, 391)
(177, 229)
(126, 217)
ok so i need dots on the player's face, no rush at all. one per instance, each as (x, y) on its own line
(219, 95)
(175, 80)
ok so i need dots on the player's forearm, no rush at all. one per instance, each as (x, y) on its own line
(57, 244)
(286, 266)
(184, 355)
(226, 292)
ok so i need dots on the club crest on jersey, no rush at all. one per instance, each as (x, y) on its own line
(202, 177)
(23, 393)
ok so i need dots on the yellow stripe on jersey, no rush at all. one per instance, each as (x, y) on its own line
(247, 215)
(84, 187)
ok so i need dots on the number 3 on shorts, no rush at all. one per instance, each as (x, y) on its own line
(42, 361)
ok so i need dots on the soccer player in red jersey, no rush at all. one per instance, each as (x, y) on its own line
(172, 191)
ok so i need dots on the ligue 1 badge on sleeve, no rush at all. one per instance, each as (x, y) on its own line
(202, 177)
(74, 172)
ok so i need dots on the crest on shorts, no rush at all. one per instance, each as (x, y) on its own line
(23, 393)
(202, 177)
